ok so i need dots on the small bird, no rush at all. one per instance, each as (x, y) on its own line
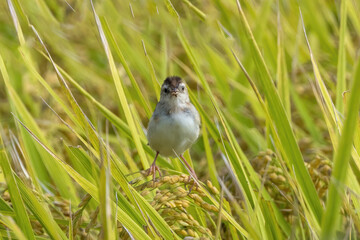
(174, 125)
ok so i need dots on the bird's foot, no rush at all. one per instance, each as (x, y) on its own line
(194, 184)
(193, 176)
(193, 181)
(152, 171)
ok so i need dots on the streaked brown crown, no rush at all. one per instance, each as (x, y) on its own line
(173, 81)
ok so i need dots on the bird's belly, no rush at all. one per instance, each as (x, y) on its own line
(172, 133)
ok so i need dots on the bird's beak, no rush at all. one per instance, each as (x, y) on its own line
(174, 92)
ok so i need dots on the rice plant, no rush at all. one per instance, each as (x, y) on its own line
(276, 84)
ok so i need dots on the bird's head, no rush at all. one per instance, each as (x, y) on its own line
(174, 90)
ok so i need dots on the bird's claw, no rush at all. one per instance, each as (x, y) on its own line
(193, 182)
(152, 170)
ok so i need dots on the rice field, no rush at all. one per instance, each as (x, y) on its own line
(277, 87)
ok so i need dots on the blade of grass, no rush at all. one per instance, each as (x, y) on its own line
(273, 230)
(341, 161)
(209, 157)
(154, 80)
(305, 114)
(341, 67)
(105, 195)
(10, 223)
(332, 119)
(121, 93)
(16, 22)
(282, 125)
(196, 10)
(22, 217)
(110, 37)
(64, 185)
(284, 225)
(124, 218)
(40, 212)
(19, 107)
(84, 121)
(81, 163)
(281, 70)
(4, 207)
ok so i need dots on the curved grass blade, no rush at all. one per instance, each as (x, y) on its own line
(341, 67)
(41, 212)
(281, 70)
(121, 93)
(64, 186)
(196, 10)
(154, 80)
(105, 198)
(341, 161)
(122, 216)
(85, 123)
(22, 217)
(107, 32)
(10, 223)
(282, 125)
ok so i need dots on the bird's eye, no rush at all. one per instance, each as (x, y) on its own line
(182, 88)
(166, 90)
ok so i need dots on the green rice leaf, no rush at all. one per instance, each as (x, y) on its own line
(22, 217)
(124, 218)
(332, 215)
(341, 67)
(121, 93)
(10, 223)
(291, 151)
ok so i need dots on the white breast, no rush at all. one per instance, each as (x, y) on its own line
(175, 132)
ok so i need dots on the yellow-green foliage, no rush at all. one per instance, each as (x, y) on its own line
(276, 84)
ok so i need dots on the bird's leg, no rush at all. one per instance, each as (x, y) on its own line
(192, 172)
(189, 167)
(153, 168)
